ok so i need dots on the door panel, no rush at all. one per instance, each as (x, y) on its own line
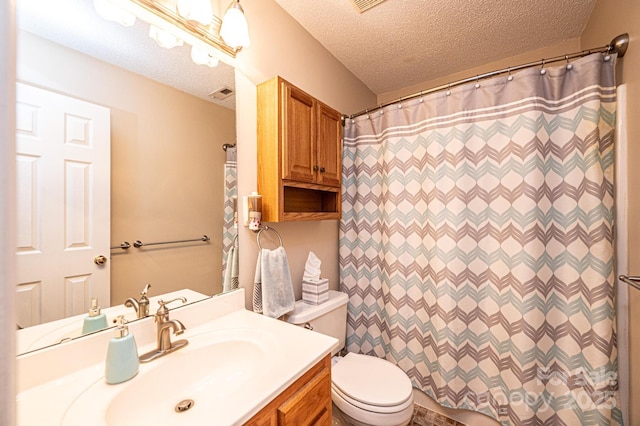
(63, 207)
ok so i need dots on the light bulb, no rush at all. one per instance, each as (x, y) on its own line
(203, 57)
(234, 29)
(196, 10)
(112, 12)
(164, 38)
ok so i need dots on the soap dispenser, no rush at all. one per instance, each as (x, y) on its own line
(96, 320)
(122, 355)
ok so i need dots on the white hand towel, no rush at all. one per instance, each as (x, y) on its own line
(273, 290)
(231, 274)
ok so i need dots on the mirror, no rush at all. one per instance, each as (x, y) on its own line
(170, 178)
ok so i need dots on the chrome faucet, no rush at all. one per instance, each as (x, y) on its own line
(140, 306)
(164, 325)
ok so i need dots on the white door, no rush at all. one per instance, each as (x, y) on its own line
(63, 205)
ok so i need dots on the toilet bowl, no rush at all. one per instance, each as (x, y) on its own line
(368, 391)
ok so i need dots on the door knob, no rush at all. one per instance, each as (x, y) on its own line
(100, 260)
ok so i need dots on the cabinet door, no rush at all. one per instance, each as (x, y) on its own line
(329, 144)
(299, 138)
(311, 405)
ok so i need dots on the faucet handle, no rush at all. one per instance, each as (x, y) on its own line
(145, 290)
(163, 312)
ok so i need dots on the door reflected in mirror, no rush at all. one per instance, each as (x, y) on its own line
(170, 180)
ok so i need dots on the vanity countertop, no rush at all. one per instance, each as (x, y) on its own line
(65, 395)
(49, 333)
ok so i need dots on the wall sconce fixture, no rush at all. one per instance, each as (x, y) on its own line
(175, 22)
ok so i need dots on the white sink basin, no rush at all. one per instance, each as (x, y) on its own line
(236, 362)
(200, 378)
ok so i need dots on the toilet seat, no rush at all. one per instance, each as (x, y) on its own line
(372, 408)
(371, 384)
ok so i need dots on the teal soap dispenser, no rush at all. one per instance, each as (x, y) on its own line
(96, 320)
(122, 355)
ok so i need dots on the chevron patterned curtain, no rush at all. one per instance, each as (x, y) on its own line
(229, 230)
(476, 244)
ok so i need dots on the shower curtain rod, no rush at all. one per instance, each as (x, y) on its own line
(618, 45)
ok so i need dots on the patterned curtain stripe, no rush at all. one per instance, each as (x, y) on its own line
(476, 244)
(230, 190)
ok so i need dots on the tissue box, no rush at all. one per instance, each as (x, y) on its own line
(315, 292)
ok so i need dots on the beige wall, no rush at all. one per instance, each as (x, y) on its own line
(167, 168)
(280, 46)
(610, 18)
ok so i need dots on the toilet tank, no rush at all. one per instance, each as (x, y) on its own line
(329, 318)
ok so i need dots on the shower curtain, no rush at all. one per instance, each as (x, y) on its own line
(476, 244)
(230, 230)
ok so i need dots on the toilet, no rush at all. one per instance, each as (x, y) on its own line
(366, 390)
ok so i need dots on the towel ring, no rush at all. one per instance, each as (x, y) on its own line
(267, 228)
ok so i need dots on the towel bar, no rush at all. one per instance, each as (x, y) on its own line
(267, 228)
(632, 281)
(138, 243)
(123, 245)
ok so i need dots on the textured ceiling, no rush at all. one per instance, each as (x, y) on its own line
(396, 44)
(400, 43)
(75, 24)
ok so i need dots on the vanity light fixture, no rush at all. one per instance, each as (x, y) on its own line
(234, 30)
(174, 23)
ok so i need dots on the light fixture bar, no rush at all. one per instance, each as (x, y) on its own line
(206, 34)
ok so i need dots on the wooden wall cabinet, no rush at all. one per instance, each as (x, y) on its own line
(299, 154)
(306, 402)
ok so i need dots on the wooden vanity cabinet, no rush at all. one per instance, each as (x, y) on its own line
(306, 402)
(299, 154)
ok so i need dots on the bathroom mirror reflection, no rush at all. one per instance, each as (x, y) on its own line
(170, 178)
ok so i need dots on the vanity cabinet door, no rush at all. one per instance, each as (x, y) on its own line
(311, 405)
(306, 402)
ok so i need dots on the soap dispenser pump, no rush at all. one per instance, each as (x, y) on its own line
(122, 355)
(96, 320)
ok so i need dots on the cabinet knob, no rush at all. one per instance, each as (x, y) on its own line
(315, 168)
(322, 170)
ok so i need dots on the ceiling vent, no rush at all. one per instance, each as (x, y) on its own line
(222, 93)
(364, 5)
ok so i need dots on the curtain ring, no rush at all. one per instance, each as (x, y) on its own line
(477, 85)
(448, 89)
(510, 77)
(421, 100)
(542, 70)
(569, 64)
(607, 56)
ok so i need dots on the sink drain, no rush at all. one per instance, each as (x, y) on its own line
(185, 405)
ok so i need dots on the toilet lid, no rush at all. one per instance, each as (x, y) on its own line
(371, 380)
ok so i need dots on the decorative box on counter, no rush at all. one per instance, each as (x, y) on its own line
(315, 291)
